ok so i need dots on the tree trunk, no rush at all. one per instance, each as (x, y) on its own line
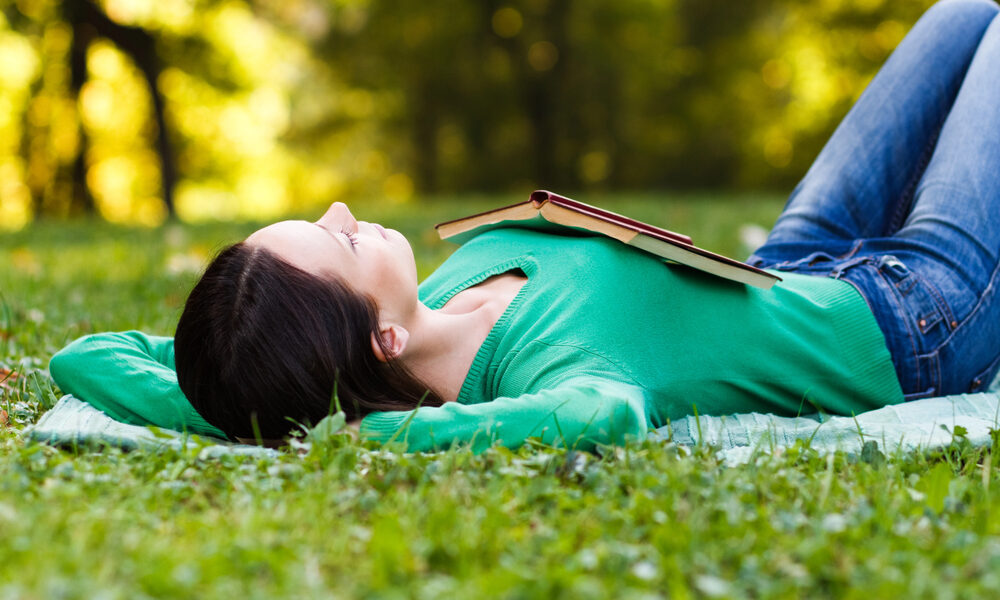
(81, 200)
(89, 22)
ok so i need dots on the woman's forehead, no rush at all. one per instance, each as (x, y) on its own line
(281, 229)
(301, 243)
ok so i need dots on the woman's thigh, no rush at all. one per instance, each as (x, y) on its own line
(925, 259)
(952, 234)
(863, 182)
(955, 218)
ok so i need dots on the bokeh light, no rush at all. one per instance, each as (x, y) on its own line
(278, 106)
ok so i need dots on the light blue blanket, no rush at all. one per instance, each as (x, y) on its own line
(919, 425)
(74, 423)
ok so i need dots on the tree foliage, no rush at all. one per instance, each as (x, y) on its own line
(251, 108)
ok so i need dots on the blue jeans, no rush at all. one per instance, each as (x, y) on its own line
(903, 202)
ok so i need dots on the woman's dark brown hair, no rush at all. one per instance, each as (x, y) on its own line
(262, 345)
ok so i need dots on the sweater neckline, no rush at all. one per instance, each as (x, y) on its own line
(496, 333)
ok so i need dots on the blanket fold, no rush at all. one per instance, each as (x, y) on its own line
(920, 425)
(74, 423)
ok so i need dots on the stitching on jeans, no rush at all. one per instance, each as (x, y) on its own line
(939, 300)
(975, 309)
(904, 204)
(906, 322)
(937, 368)
(854, 250)
(982, 377)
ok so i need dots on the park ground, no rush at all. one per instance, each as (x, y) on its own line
(649, 520)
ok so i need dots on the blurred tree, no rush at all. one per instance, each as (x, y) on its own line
(89, 22)
(250, 108)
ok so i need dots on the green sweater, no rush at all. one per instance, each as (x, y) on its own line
(602, 343)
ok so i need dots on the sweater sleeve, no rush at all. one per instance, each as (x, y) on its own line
(580, 412)
(130, 377)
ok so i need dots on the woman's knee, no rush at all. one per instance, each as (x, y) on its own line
(975, 10)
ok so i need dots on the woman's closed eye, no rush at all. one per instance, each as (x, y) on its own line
(352, 236)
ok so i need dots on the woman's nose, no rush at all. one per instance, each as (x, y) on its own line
(338, 216)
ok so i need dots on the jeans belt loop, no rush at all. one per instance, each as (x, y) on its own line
(839, 270)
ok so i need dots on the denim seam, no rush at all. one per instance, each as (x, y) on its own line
(983, 376)
(936, 358)
(889, 290)
(838, 271)
(906, 322)
(854, 250)
(940, 301)
(904, 204)
(989, 289)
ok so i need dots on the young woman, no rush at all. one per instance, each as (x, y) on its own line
(888, 250)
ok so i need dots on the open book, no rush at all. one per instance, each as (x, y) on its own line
(552, 208)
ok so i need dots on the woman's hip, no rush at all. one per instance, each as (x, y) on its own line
(942, 330)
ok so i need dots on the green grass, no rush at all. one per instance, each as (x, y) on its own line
(644, 521)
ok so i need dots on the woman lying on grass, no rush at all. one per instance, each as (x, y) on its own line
(888, 250)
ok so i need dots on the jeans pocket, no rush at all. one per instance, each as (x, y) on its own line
(925, 306)
(983, 379)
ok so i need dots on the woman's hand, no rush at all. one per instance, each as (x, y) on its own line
(354, 428)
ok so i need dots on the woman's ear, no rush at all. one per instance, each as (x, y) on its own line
(394, 339)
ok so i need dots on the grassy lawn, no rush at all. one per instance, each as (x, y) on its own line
(645, 521)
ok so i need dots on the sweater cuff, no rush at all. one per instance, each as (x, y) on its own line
(197, 424)
(381, 426)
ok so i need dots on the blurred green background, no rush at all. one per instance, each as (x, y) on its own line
(144, 110)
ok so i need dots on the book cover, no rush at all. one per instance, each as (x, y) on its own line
(544, 207)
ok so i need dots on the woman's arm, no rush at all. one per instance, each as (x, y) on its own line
(129, 376)
(580, 413)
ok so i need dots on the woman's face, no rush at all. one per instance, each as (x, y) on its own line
(375, 261)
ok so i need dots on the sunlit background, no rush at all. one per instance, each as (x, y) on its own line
(142, 110)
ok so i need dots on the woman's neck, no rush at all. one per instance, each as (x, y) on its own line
(444, 342)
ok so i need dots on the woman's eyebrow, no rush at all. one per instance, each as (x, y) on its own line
(339, 238)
